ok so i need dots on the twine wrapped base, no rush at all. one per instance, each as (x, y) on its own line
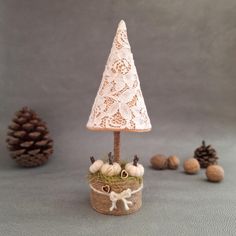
(102, 202)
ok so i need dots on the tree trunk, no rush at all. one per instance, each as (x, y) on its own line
(117, 146)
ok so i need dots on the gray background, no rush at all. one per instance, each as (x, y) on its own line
(52, 55)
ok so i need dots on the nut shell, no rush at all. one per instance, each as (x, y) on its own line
(173, 162)
(215, 173)
(159, 162)
(191, 166)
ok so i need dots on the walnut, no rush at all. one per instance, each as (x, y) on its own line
(159, 162)
(191, 166)
(215, 173)
(173, 162)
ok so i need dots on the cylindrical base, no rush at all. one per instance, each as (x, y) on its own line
(102, 203)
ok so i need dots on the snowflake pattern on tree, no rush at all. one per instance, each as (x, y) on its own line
(119, 104)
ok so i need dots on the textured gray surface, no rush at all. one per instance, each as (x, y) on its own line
(52, 55)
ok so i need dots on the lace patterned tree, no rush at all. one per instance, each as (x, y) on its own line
(119, 104)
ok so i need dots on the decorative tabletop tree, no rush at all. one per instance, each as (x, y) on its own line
(119, 106)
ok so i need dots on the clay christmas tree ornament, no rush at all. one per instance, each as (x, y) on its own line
(118, 106)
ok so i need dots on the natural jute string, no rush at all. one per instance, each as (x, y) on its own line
(117, 146)
(114, 197)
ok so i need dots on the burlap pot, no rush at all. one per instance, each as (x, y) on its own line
(102, 201)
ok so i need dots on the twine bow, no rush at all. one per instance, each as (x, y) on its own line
(114, 197)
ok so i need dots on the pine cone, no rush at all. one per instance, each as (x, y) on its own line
(206, 155)
(28, 139)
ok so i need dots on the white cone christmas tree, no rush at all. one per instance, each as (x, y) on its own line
(119, 104)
